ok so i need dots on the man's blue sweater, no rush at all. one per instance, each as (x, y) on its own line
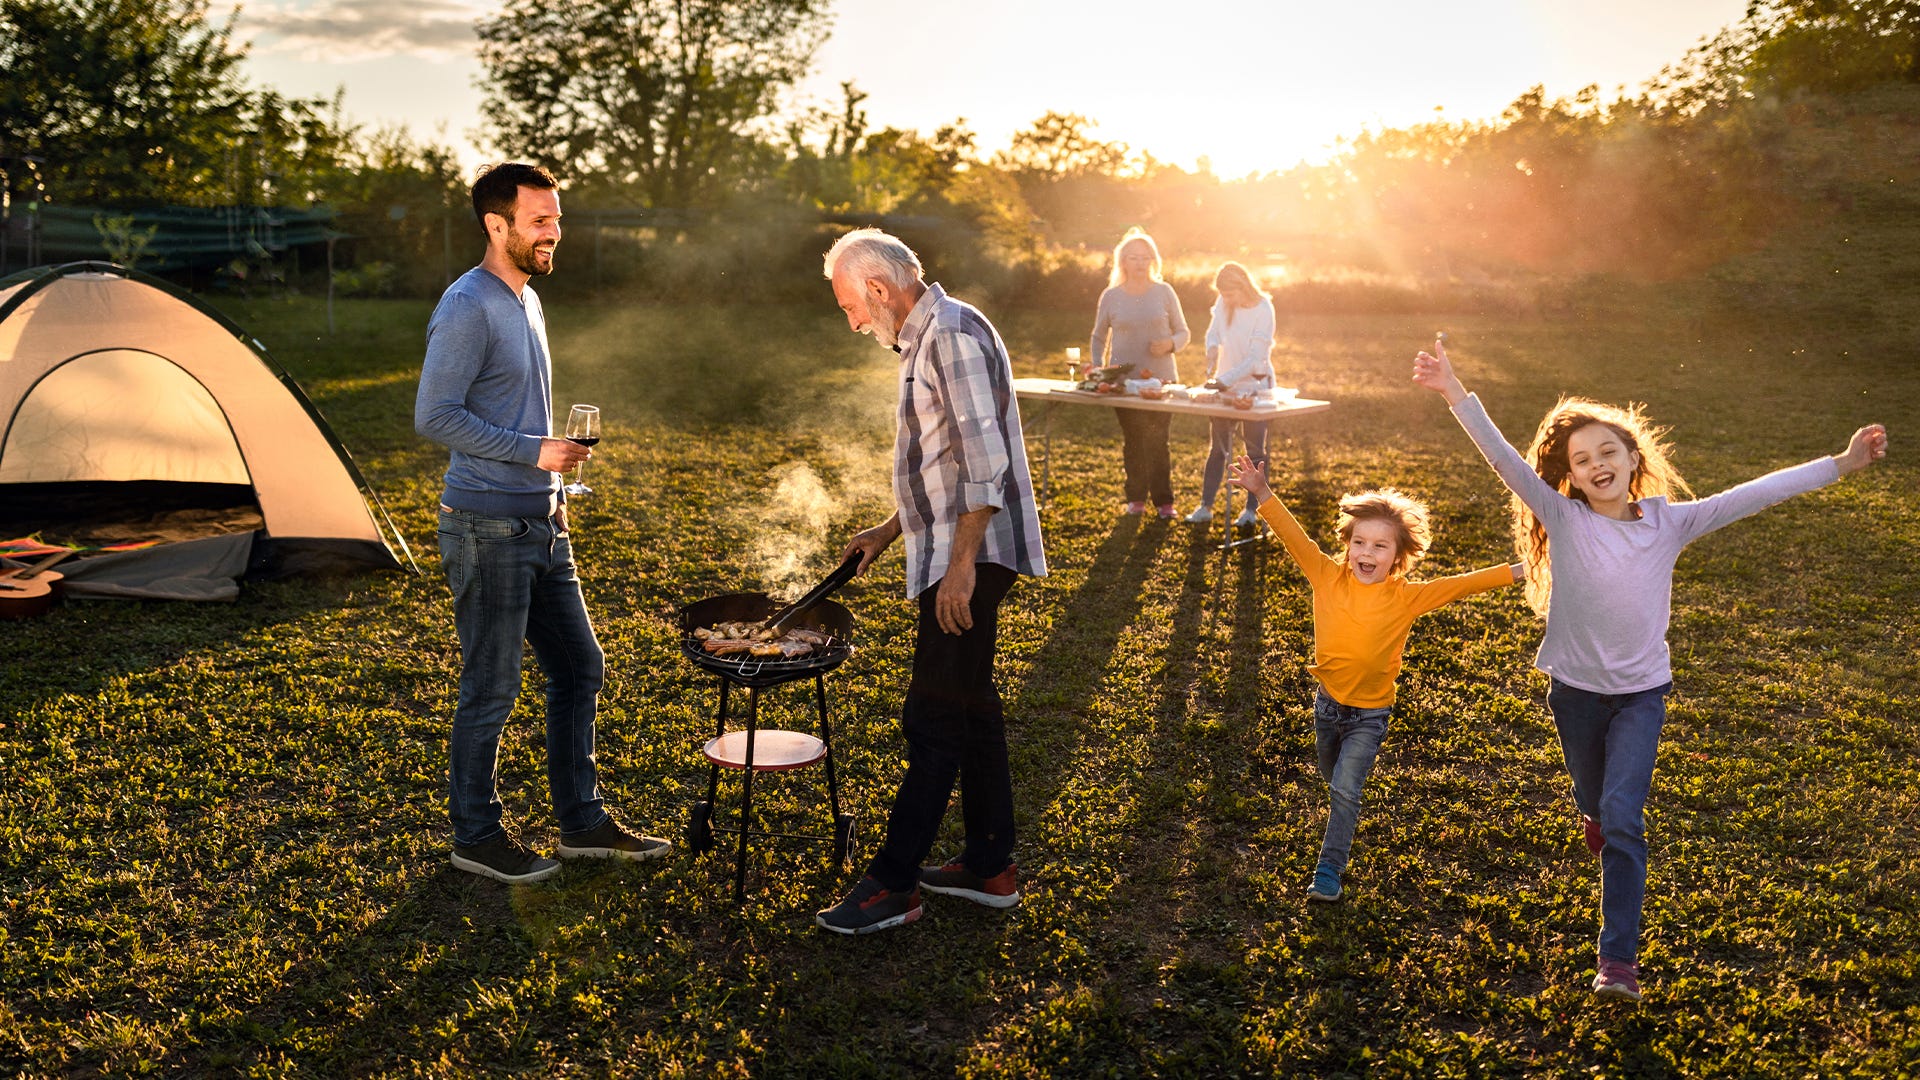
(486, 392)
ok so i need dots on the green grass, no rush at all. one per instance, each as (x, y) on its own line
(222, 834)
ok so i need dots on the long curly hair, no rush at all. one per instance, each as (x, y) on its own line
(1412, 523)
(1654, 475)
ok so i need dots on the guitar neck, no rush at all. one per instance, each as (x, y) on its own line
(30, 572)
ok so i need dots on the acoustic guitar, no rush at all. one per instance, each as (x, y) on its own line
(29, 590)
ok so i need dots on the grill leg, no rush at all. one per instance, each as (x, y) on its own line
(826, 736)
(719, 729)
(746, 799)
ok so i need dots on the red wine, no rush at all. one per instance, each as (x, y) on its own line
(587, 441)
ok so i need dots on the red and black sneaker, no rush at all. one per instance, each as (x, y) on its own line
(870, 906)
(1595, 841)
(1002, 890)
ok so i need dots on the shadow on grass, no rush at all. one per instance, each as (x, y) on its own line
(433, 948)
(83, 646)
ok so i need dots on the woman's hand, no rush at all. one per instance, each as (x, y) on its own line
(1160, 347)
(1433, 371)
(1867, 446)
(1252, 479)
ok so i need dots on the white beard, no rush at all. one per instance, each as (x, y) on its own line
(880, 324)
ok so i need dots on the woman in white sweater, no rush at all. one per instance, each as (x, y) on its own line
(1239, 359)
(1140, 318)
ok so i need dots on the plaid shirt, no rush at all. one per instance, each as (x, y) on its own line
(959, 446)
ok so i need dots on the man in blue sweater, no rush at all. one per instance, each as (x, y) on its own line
(486, 392)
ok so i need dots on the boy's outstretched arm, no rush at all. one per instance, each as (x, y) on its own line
(1251, 478)
(1433, 371)
(1867, 446)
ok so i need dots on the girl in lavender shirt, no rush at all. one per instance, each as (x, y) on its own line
(1599, 539)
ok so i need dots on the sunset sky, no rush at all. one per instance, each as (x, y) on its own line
(1253, 86)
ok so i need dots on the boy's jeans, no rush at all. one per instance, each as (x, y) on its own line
(1348, 739)
(1609, 742)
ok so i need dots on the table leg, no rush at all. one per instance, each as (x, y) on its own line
(1046, 453)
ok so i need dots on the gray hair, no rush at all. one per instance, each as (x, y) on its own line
(870, 254)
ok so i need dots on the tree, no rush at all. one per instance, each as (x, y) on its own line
(136, 102)
(658, 96)
(1059, 145)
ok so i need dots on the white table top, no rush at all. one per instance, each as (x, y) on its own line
(1054, 391)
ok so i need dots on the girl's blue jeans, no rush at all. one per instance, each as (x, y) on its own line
(1348, 741)
(514, 583)
(1609, 742)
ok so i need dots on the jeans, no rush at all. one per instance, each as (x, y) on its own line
(1144, 453)
(1348, 740)
(513, 581)
(955, 729)
(1609, 742)
(1254, 432)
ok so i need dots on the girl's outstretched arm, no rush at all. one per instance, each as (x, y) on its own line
(1701, 517)
(1435, 372)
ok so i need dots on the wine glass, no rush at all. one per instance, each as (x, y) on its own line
(1073, 365)
(583, 427)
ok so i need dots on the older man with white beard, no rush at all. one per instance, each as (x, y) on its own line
(966, 507)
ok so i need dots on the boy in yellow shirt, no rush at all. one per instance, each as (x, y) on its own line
(1363, 609)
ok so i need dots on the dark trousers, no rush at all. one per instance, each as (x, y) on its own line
(955, 729)
(1144, 451)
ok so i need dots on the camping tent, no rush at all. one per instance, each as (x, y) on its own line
(130, 414)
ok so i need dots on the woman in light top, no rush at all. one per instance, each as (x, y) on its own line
(1239, 359)
(1139, 317)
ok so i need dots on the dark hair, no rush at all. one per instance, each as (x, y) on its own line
(497, 189)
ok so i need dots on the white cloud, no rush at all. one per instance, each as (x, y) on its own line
(350, 30)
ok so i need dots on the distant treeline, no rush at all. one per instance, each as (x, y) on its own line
(675, 108)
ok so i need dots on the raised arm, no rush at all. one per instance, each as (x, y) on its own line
(1868, 445)
(1435, 372)
(1252, 478)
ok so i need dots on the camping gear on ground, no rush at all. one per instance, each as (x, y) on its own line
(131, 412)
(752, 749)
(29, 590)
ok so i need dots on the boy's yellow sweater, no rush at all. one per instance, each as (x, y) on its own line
(1359, 630)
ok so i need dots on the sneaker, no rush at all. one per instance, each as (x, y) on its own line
(1248, 519)
(608, 840)
(1200, 516)
(1166, 511)
(503, 858)
(1326, 885)
(1134, 509)
(1595, 840)
(869, 907)
(1002, 890)
(1618, 980)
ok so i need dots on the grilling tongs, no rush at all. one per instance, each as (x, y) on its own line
(784, 619)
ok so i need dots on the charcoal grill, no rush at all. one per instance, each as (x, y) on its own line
(752, 749)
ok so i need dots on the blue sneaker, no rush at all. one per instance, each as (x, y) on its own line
(1326, 885)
